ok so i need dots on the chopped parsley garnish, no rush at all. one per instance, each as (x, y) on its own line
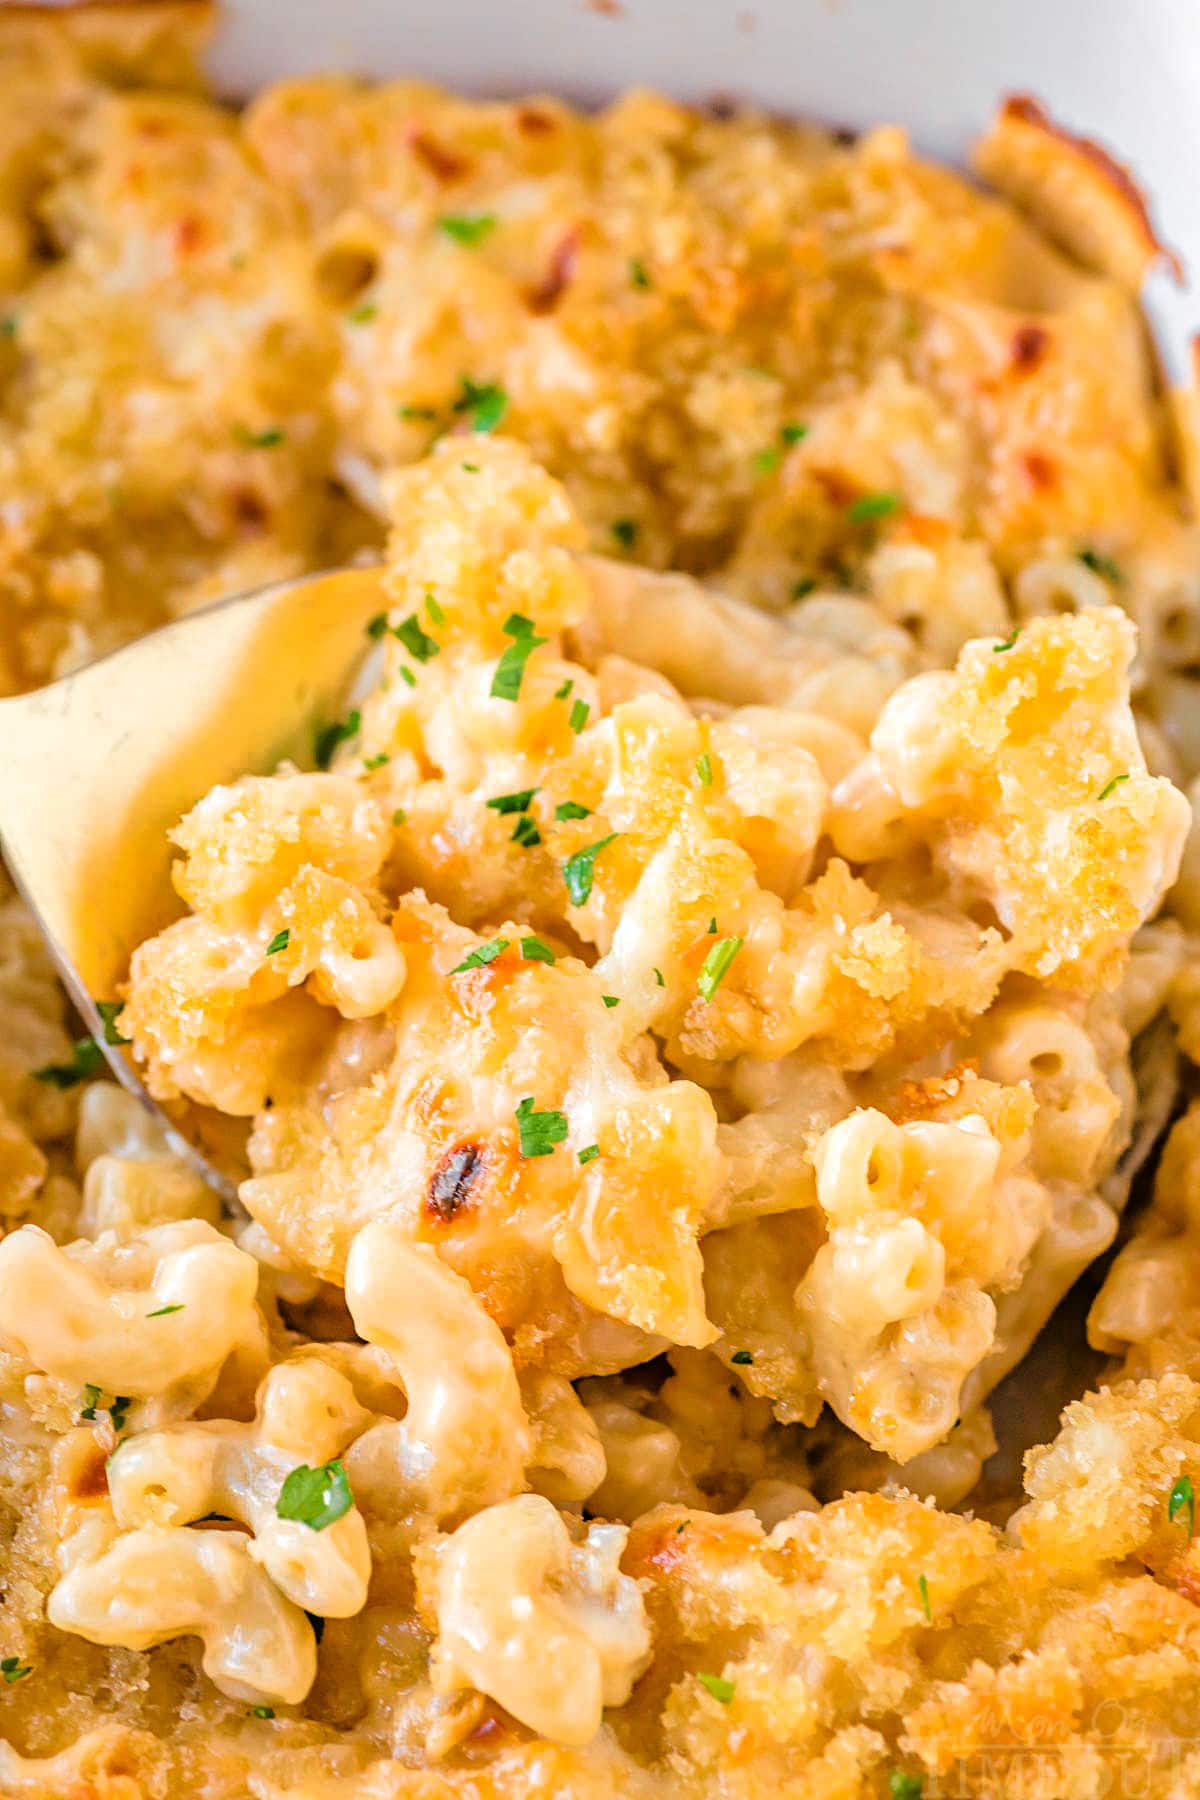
(480, 958)
(377, 626)
(793, 434)
(434, 610)
(579, 870)
(539, 1131)
(506, 682)
(579, 715)
(589, 1153)
(376, 762)
(564, 692)
(280, 941)
(91, 1400)
(1108, 787)
(712, 928)
(625, 531)
(658, 976)
(399, 817)
(902, 1786)
(13, 1669)
(259, 440)
(716, 966)
(512, 803)
(872, 506)
(483, 402)
(704, 768)
(118, 1412)
(87, 1059)
(1008, 642)
(533, 949)
(718, 1687)
(416, 412)
(611, 1000)
(161, 1312)
(110, 1011)
(362, 315)
(469, 468)
(330, 736)
(571, 809)
(407, 676)
(1182, 1495)
(765, 462)
(525, 832)
(637, 273)
(741, 1357)
(1102, 565)
(923, 1590)
(315, 1497)
(8, 325)
(418, 643)
(804, 587)
(263, 1712)
(467, 228)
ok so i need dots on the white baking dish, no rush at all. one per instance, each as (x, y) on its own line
(1124, 71)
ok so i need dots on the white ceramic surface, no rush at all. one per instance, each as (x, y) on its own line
(1125, 71)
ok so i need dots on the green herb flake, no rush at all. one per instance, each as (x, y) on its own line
(872, 506)
(718, 1687)
(469, 468)
(571, 809)
(579, 715)
(377, 626)
(1102, 565)
(399, 817)
(589, 1154)
(407, 676)
(416, 412)
(564, 692)
(793, 434)
(483, 403)
(279, 942)
(1109, 786)
(512, 803)
(539, 1131)
(1183, 1495)
(742, 1357)
(87, 1059)
(8, 326)
(262, 1712)
(658, 976)
(469, 229)
(923, 1590)
(704, 769)
(91, 1400)
(625, 531)
(363, 315)
(13, 1669)
(579, 870)
(161, 1312)
(716, 966)
(269, 439)
(377, 761)
(434, 610)
(315, 1497)
(418, 643)
(1008, 642)
(110, 1011)
(480, 958)
(804, 587)
(534, 949)
(638, 276)
(525, 832)
(711, 930)
(119, 1411)
(510, 670)
(765, 462)
(330, 736)
(902, 1786)
(611, 1000)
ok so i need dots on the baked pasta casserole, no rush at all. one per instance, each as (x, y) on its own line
(687, 1039)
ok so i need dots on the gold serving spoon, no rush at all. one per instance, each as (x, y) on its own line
(96, 768)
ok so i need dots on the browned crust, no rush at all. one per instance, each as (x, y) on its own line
(1075, 189)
